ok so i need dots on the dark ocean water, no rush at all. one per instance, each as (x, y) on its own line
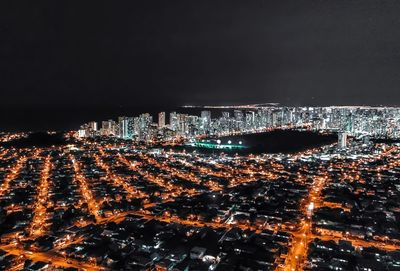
(284, 141)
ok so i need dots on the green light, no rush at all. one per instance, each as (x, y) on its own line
(218, 146)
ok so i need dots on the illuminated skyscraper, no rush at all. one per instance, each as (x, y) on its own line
(349, 123)
(182, 124)
(249, 121)
(161, 120)
(173, 121)
(93, 125)
(205, 120)
(342, 140)
(125, 127)
(238, 114)
(206, 116)
(275, 118)
(145, 121)
(108, 128)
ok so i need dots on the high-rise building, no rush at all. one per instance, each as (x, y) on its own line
(342, 140)
(275, 118)
(173, 121)
(126, 127)
(205, 121)
(206, 116)
(249, 121)
(145, 121)
(161, 120)
(92, 125)
(182, 124)
(130, 128)
(238, 114)
(108, 128)
(82, 133)
(349, 123)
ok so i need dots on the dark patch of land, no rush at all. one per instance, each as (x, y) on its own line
(278, 141)
(284, 141)
(38, 139)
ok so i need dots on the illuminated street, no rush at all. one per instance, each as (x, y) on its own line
(83, 197)
(42, 202)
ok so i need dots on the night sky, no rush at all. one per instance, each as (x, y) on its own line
(67, 62)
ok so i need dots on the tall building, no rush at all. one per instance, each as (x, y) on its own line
(238, 114)
(126, 127)
(225, 115)
(161, 120)
(206, 116)
(173, 121)
(342, 140)
(92, 125)
(108, 128)
(82, 133)
(130, 127)
(249, 120)
(349, 123)
(145, 121)
(275, 119)
(182, 124)
(205, 121)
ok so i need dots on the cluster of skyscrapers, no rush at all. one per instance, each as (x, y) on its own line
(359, 121)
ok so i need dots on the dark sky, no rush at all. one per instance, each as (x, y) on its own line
(66, 61)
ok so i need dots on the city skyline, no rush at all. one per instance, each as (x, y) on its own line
(62, 119)
(358, 121)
